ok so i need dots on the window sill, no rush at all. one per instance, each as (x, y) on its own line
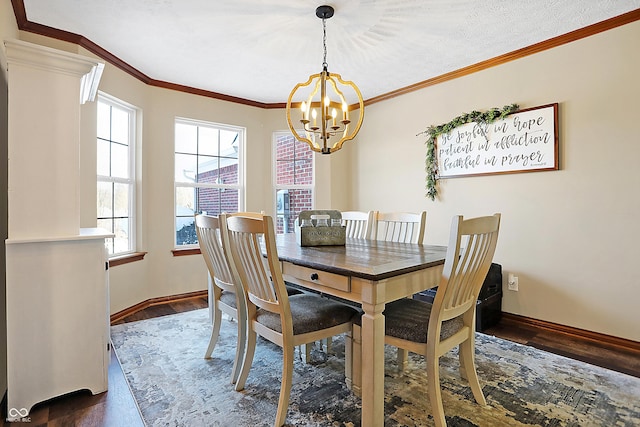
(185, 252)
(126, 259)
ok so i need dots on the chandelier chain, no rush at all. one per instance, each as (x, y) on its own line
(324, 43)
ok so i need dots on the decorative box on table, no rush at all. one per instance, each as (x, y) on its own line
(311, 229)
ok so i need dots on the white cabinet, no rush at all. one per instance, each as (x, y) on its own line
(57, 318)
(57, 282)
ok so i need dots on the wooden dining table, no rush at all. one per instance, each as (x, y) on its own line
(370, 273)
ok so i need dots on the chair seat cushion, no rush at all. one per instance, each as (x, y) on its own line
(408, 319)
(228, 298)
(309, 313)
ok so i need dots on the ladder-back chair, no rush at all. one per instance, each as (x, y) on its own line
(400, 226)
(432, 329)
(359, 225)
(287, 322)
(226, 295)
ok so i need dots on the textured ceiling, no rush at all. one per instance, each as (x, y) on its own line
(259, 49)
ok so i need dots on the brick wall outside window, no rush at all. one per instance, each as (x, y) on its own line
(294, 167)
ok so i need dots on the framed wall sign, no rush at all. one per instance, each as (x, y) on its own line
(525, 141)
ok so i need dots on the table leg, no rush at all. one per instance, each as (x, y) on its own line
(373, 365)
(353, 360)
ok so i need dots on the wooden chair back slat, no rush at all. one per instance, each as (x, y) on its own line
(264, 286)
(403, 227)
(359, 225)
(469, 257)
(210, 242)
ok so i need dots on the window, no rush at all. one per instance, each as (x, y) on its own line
(116, 172)
(294, 181)
(208, 175)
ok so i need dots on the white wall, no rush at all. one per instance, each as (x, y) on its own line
(569, 235)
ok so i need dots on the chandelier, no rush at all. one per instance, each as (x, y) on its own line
(321, 104)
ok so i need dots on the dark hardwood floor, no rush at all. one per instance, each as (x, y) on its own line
(117, 408)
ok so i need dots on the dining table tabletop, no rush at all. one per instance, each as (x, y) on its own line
(369, 273)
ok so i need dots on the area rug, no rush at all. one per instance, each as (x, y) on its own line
(173, 384)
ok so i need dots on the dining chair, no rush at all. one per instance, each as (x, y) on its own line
(287, 322)
(403, 227)
(432, 329)
(226, 294)
(358, 224)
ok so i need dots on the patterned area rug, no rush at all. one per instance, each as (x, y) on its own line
(174, 385)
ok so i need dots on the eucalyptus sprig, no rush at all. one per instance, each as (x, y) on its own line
(432, 132)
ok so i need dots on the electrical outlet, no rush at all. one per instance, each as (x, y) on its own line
(512, 284)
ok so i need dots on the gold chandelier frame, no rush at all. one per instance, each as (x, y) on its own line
(325, 93)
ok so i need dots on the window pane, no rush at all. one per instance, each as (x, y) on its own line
(186, 166)
(104, 121)
(119, 160)
(107, 224)
(229, 143)
(186, 138)
(284, 172)
(215, 201)
(303, 172)
(121, 240)
(229, 200)
(208, 169)
(209, 201)
(294, 161)
(300, 200)
(119, 125)
(303, 151)
(105, 200)
(121, 200)
(185, 201)
(104, 157)
(285, 147)
(185, 231)
(229, 170)
(208, 141)
(289, 204)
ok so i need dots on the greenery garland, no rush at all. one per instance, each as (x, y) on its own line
(432, 132)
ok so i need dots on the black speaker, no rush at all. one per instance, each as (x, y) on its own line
(492, 283)
(489, 304)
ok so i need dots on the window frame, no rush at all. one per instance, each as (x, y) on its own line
(239, 186)
(277, 187)
(133, 113)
